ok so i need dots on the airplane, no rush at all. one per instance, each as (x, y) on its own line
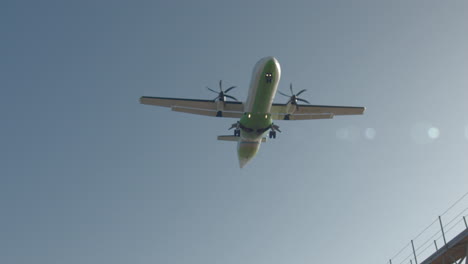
(256, 115)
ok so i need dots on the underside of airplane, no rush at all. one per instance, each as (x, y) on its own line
(257, 113)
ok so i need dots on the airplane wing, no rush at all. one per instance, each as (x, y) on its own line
(197, 107)
(305, 112)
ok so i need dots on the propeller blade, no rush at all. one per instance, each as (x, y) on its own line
(220, 85)
(276, 128)
(290, 88)
(299, 93)
(303, 100)
(283, 94)
(229, 89)
(211, 90)
(232, 97)
(235, 125)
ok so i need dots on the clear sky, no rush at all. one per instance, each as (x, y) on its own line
(89, 175)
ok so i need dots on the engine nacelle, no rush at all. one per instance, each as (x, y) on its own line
(291, 108)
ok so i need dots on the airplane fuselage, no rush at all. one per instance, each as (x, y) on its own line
(257, 120)
(258, 112)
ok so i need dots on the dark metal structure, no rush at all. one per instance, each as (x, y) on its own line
(455, 251)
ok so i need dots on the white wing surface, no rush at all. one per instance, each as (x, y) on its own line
(305, 112)
(197, 107)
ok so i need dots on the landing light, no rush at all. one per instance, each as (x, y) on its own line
(266, 116)
(248, 116)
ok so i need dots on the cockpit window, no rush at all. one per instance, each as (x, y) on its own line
(268, 77)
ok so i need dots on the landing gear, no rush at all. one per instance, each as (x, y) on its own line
(273, 130)
(236, 127)
(272, 134)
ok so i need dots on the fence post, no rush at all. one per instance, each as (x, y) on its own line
(442, 228)
(414, 252)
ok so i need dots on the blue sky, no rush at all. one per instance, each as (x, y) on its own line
(88, 175)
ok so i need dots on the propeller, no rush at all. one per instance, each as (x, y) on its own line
(235, 125)
(222, 95)
(275, 128)
(294, 98)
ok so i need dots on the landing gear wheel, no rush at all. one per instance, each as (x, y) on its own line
(237, 133)
(272, 134)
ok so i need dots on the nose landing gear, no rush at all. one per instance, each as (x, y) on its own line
(237, 129)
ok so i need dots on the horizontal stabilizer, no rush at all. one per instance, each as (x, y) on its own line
(229, 138)
(234, 138)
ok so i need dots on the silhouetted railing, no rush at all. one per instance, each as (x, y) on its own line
(435, 236)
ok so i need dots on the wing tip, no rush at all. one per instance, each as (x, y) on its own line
(142, 99)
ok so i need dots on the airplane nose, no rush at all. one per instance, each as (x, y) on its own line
(270, 58)
(274, 60)
(246, 150)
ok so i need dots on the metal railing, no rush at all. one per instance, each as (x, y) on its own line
(435, 236)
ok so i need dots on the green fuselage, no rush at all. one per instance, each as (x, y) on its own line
(257, 120)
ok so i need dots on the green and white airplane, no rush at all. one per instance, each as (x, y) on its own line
(256, 115)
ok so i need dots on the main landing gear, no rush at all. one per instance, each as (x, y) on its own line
(273, 130)
(272, 134)
(236, 127)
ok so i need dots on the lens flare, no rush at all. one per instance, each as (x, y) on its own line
(433, 133)
(350, 134)
(424, 133)
(342, 133)
(370, 133)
